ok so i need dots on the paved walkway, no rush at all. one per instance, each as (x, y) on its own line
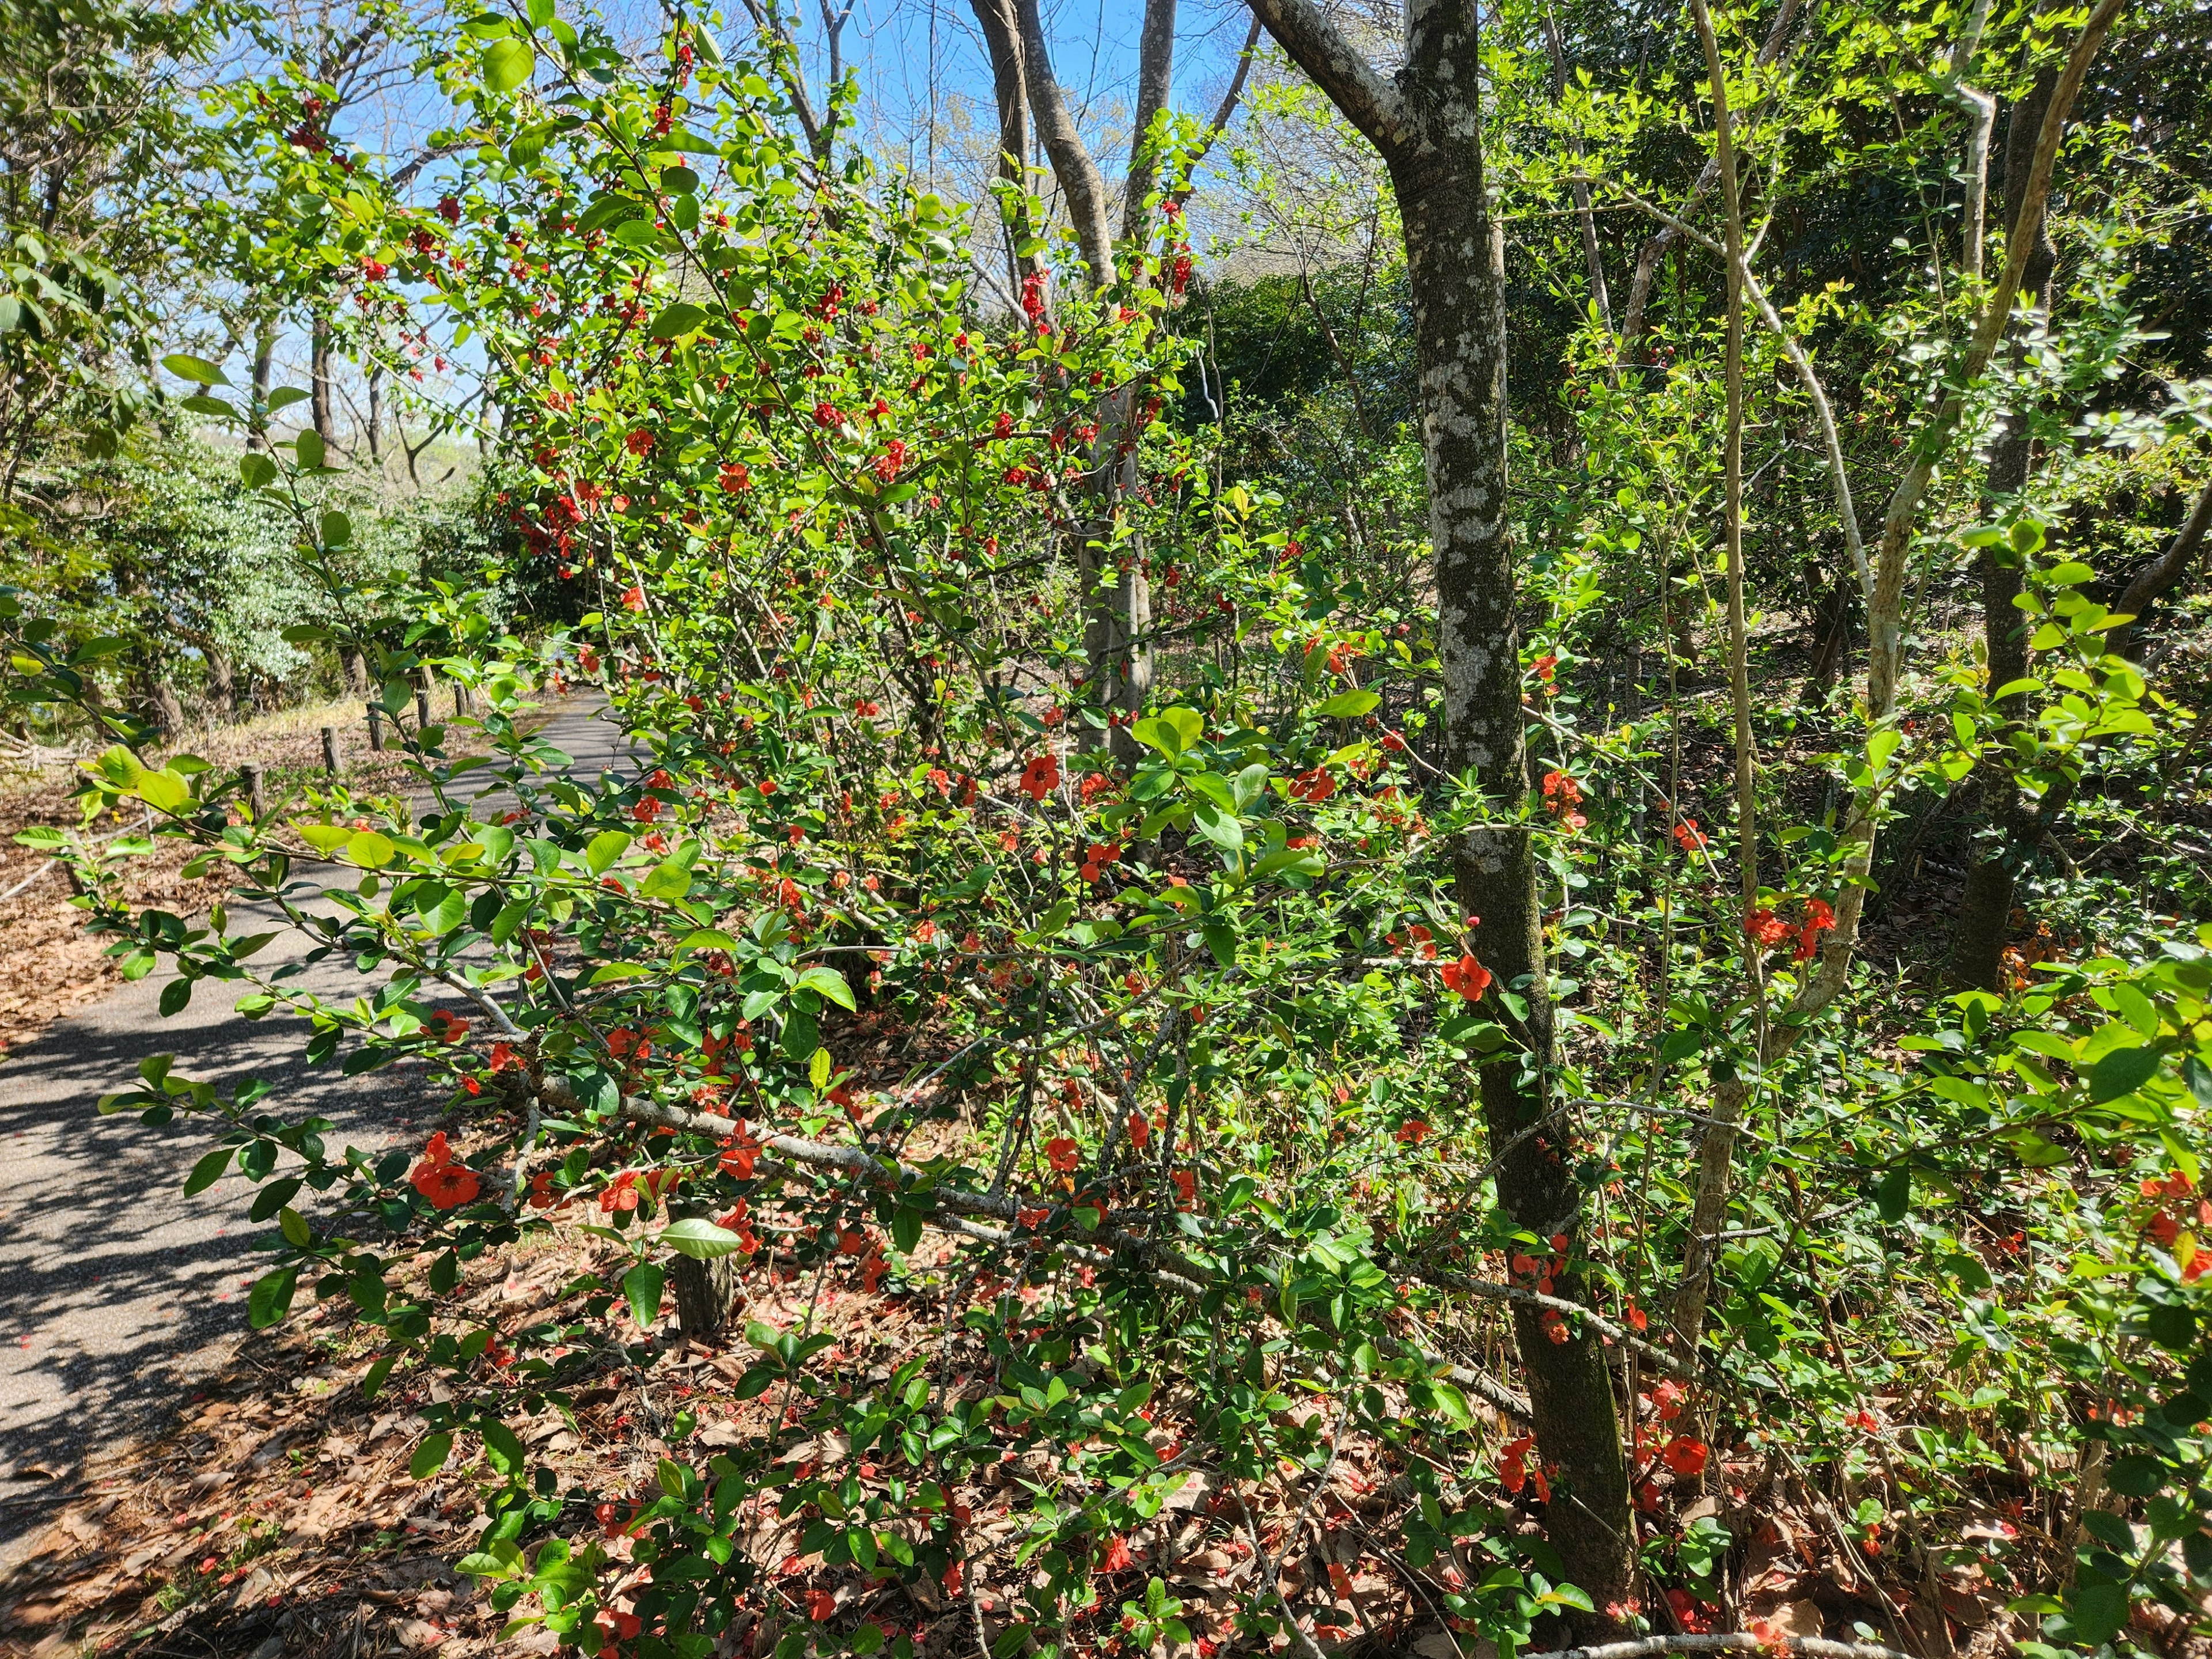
(118, 1292)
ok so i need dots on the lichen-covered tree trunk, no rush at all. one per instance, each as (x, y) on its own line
(1455, 259)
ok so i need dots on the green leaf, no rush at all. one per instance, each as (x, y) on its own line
(197, 370)
(668, 879)
(1349, 705)
(336, 528)
(294, 1226)
(174, 995)
(370, 850)
(308, 447)
(905, 1227)
(642, 1286)
(1894, 1197)
(2096, 1615)
(164, 790)
(700, 1239)
(676, 321)
(208, 1169)
(271, 1297)
(605, 848)
(2122, 1072)
(1219, 827)
(501, 1446)
(430, 1456)
(829, 983)
(1221, 940)
(2171, 1326)
(508, 64)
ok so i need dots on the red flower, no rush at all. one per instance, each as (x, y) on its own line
(1468, 976)
(633, 598)
(1819, 918)
(448, 1185)
(1041, 776)
(1412, 1133)
(889, 463)
(1766, 929)
(1512, 1468)
(639, 442)
(1140, 1130)
(1315, 786)
(735, 478)
(1187, 1193)
(1690, 837)
(826, 416)
(820, 1605)
(1685, 1456)
(1117, 1558)
(449, 210)
(1545, 666)
(1064, 1154)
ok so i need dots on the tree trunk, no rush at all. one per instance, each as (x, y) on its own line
(264, 363)
(1116, 596)
(1155, 72)
(222, 685)
(1426, 124)
(702, 1294)
(1455, 259)
(2162, 571)
(376, 415)
(1071, 165)
(1002, 35)
(1983, 921)
(319, 396)
(1832, 626)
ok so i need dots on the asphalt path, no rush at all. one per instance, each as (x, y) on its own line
(118, 1295)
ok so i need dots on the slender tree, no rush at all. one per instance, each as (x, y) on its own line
(1425, 121)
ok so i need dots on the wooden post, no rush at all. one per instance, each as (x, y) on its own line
(422, 710)
(331, 750)
(375, 729)
(251, 775)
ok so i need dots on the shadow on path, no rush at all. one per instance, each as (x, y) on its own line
(118, 1292)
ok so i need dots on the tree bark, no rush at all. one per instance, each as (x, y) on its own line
(1079, 176)
(1982, 922)
(1002, 36)
(265, 362)
(222, 684)
(2163, 572)
(320, 409)
(1155, 73)
(1427, 126)
(702, 1294)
